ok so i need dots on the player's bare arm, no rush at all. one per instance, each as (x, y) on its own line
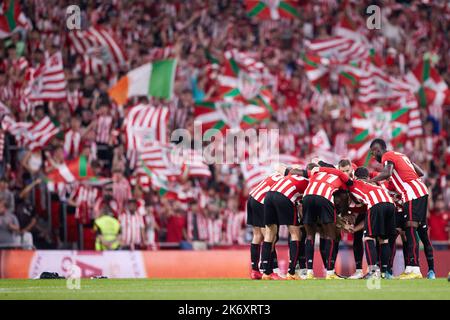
(385, 174)
(418, 170)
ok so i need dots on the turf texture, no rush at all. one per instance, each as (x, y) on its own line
(234, 289)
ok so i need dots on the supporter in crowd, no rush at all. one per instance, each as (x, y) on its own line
(132, 227)
(9, 228)
(439, 221)
(6, 195)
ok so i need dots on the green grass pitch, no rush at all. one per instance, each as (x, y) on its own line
(234, 289)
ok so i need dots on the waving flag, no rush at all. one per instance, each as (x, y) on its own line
(164, 187)
(376, 85)
(245, 78)
(431, 90)
(151, 80)
(101, 53)
(40, 133)
(17, 129)
(316, 69)
(47, 82)
(158, 159)
(348, 28)
(144, 125)
(31, 135)
(191, 161)
(231, 114)
(11, 18)
(161, 166)
(72, 171)
(395, 124)
(272, 9)
(255, 173)
(4, 110)
(170, 162)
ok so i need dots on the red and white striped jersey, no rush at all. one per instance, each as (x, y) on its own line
(201, 223)
(214, 231)
(131, 227)
(121, 192)
(104, 126)
(404, 177)
(234, 225)
(100, 204)
(74, 99)
(259, 192)
(369, 194)
(397, 197)
(20, 64)
(324, 184)
(72, 142)
(291, 186)
(85, 197)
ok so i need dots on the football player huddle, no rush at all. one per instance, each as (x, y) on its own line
(376, 207)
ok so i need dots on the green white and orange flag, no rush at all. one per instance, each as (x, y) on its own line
(11, 18)
(154, 79)
(71, 171)
(272, 9)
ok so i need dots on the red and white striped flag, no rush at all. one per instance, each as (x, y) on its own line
(169, 161)
(375, 84)
(341, 49)
(145, 125)
(17, 129)
(102, 54)
(255, 173)
(40, 133)
(32, 135)
(191, 162)
(4, 110)
(415, 126)
(157, 159)
(47, 82)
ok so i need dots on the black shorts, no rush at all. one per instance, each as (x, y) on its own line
(279, 210)
(255, 213)
(380, 220)
(318, 209)
(416, 210)
(360, 218)
(400, 220)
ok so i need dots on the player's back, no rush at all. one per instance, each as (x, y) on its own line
(259, 192)
(402, 165)
(369, 194)
(404, 177)
(323, 184)
(291, 186)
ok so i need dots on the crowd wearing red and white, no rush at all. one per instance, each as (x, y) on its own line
(70, 113)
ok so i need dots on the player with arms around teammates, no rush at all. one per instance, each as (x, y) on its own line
(405, 176)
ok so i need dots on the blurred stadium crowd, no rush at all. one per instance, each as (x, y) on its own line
(212, 207)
